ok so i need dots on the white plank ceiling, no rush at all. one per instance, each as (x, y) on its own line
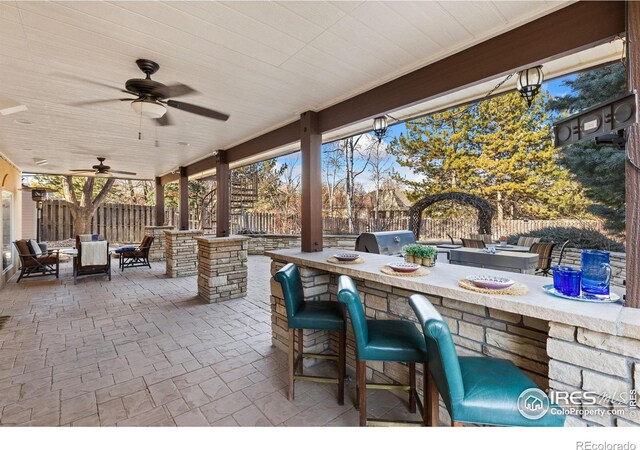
(261, 62)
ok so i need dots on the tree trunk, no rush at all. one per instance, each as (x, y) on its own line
(82, 220)
(499, 207)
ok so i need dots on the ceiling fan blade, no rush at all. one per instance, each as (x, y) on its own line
(82, 170)
(84, 80)
(164, 120)
(199, 110)
(178, 89)
(122, 172)
(95, 102)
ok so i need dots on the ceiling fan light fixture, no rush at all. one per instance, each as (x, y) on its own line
(148, 108)
(103, 175)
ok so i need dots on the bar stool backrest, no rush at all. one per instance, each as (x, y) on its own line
(289, 279)
(348, 294)
(441, 351)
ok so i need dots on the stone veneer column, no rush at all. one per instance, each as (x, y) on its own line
(158, 248)
(222, 267)
(182, 256)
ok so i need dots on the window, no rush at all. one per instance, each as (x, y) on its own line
(7, 230)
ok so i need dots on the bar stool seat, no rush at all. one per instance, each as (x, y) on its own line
(319, 315)
(310, 315)
(393, 340)
(479, 390)
(383, 340)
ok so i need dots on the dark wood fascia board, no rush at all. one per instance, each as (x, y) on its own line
(570, 29)
(284, 135)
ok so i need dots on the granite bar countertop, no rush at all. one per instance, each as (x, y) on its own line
(610, 318)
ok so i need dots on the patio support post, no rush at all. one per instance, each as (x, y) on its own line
(311, 150)
(184, 199)
(223, 175)
(632, 171)
(159, 203)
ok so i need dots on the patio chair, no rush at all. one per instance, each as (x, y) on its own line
(527, 241)
(136, 256)
(486, 238)
(36, 260)
(562, 250)
(544, 250)
(473, 243)
(92, 259)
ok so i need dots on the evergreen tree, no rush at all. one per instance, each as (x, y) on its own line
(600, 169)
(498, 149)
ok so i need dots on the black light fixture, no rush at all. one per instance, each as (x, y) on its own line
(529, 83)
(380, 127)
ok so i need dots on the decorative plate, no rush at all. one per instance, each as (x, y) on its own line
(584, 297)
(346, 256)
(490, 281)
(404, 267)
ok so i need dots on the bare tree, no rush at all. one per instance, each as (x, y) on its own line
(356, 161)
(82, 209)
(333, 166)
(378, 173)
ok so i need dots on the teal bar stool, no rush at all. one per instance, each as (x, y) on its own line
(383, 340)
(477, 390)
(310, 315)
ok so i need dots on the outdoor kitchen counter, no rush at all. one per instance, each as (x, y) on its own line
(563, 345)
(443, 282)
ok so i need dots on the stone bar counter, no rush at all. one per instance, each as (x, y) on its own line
(222, 267)
(563, 345)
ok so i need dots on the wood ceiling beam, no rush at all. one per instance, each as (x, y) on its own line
(568, 30)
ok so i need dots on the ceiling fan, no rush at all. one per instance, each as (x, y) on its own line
(153, 97)
(100, 170)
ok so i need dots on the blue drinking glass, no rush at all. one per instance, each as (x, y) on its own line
(557, 277)
(596, 272)
(570, 281)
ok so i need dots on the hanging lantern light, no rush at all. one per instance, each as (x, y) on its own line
(380, 127)
(529, 83)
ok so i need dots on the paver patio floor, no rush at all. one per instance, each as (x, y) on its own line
(144, 350)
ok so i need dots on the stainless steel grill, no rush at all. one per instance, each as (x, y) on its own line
(384, 242)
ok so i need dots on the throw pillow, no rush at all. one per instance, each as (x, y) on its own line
(34, 247)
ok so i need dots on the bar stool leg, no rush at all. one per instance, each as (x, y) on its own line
(300, 350)
(432, 404)
(361, 375)
(412, 387)
(292, 360)
(342, 362)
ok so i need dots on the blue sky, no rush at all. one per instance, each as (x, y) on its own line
(555, 87)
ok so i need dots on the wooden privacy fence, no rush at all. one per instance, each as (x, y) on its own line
(125, 223)
(114, 222)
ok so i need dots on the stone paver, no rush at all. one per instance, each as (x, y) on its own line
(143, 350)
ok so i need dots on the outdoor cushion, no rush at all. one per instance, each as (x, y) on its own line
(35, 248)
(126, 248)
(318, 315)
(23, 247)
(393, 340)
(47, 259)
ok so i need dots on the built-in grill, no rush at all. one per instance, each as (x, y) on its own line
(384, 242)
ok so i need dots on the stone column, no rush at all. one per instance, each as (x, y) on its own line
(222, 267)
(182, 257)
(158, 248)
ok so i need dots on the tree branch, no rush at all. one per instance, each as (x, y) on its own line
(69, 193)
(103, 193)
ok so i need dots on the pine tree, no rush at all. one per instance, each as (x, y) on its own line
(600, 169)
(498, 149)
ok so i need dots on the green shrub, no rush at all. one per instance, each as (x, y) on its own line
(577, 237)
